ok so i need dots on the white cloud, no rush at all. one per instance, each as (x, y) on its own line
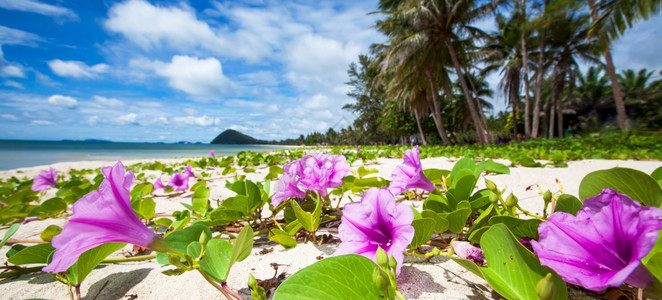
(14, 84)
(38, 8)
(9, 117)
(12, 71)
(76, 69)
(92, 120)
(41, 122)
(129, 118)
(60, 100)
(197, 77)
(203, 121)
(108, 102)
(10, 36)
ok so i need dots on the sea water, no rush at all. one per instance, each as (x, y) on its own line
(23, 153)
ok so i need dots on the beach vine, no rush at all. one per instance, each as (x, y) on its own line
(604, 238)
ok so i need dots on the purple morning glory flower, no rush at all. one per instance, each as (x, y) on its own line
(409, 174)
(317, 172)
(376, 221)
(287, 185)
(103, 216)
(45, 180)
(467, 251)
(158, 184)
(178, 182)
(211, 153)
(602, 246)
(188, 171)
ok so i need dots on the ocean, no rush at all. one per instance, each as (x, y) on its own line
(22, 153)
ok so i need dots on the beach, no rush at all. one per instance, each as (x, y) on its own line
(435, 278)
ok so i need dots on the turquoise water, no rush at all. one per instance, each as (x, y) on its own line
(21, 153)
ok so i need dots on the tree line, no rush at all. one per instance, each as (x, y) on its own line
(427, 80)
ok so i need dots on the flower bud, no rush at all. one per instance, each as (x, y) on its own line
(382, 257)
(547, 196)
(203, 239)
(392, 263)
(511, 201)
(545, 288)
(379, 279)
(494, 197)
(490, 185)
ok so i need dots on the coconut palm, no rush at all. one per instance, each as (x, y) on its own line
(612, 18)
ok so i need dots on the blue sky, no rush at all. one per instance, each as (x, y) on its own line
(177, 70)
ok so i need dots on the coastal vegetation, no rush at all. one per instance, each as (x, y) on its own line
(552, 57)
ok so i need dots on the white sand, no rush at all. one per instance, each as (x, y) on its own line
(436, 278)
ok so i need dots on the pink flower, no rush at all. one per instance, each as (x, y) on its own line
(409, 174)
(178, 182)
(103, 216)
(188, 171)
(464, 250)
(211, 153)
(317, 172)
(602, 246)
(45, 180)
(376, 221)
(158, 184)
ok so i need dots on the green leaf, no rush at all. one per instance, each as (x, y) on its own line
(337, 277)
(636, 184)
(513, 270)
(435, 175)
(243, 245)
(200, 200)
(423, 229)
(89, 260)
(147, 208)
(519, 227)
(281, 237)
(49, 207)
(462, 189)
(568, 203)
(441, 224)
(458, 218)
(461, 167)
(49, 232)
(37, 254)
(180, 239)
(657, 175)
(309, 221)
(216, 262)
(12, 229)
(495, 167)
(363, 171)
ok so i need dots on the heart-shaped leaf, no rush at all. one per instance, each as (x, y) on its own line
(636, 184)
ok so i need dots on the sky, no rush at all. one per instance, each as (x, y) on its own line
(168, 71)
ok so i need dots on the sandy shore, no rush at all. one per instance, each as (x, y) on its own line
(437, 278)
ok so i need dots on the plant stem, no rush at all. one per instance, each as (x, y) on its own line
(215, 285)
(128, 259)
(71, 293)
(77, 292)
(225, 286)
(12, 241)
(526, 212)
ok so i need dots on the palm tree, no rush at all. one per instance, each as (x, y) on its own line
(525, 71)
(611, 19)
(543, 22)
(441, 24)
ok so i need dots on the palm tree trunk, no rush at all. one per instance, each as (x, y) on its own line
(480, 133)
(514, 101)
(490, 138)
(436, 114)
(420, 129)
(525, 62)
(559, 103)
(621, 115)
(539, 74)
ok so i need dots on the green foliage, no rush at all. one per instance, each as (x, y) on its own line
(338, 277)
(636, 184)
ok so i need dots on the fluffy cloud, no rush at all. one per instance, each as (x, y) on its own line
(203, 121)
(14, 84)
(12, 71)
(9, 117)
(64, 101)
(76, 69)
(108, 102)
(130, 118)
(196, 77)
(10, 36)
(38, 8)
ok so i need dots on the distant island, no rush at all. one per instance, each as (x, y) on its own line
(234, 137)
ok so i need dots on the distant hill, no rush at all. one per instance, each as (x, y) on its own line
(235, 137)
